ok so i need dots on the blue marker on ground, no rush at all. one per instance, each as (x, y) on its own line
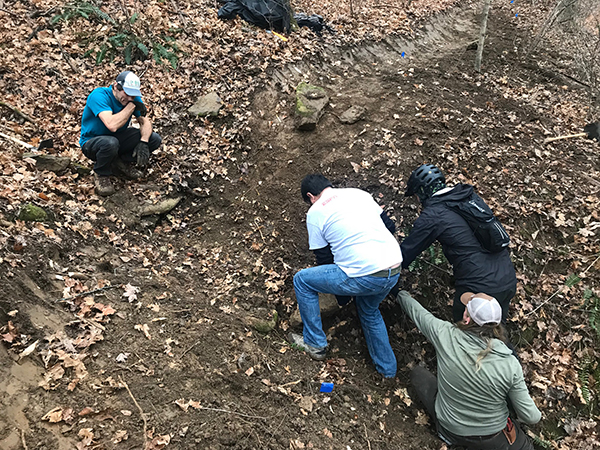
(326, 387)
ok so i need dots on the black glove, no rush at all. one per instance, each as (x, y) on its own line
(139, 106)
(142, 152)
(343, 300)
(396, 289)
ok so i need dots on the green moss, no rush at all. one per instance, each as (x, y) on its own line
(32, 213)
(306, 90)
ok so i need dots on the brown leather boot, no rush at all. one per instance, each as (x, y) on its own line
(104, 186)
(127, 170)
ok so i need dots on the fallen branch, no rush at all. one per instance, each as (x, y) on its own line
(141, 412)
(17, 141)
(18, 112)
(64, 54)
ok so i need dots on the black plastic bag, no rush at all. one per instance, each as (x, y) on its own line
(268, 14)
(315, 22)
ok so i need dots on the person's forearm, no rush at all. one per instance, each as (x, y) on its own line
(145, 129)
(116, 121)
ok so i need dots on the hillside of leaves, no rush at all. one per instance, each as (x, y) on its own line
(236, 239)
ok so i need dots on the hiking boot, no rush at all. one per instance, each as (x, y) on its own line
(123, 169)
(298, 341)
(104, 186)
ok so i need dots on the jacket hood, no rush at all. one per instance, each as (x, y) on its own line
(458, 193)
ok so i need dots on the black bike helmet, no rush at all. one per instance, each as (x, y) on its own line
(423, 178)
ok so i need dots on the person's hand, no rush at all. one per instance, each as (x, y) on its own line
(139, 106)
(142, 153)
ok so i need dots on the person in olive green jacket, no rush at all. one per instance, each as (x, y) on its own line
(477, 374)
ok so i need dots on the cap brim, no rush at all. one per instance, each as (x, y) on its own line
(132, 92)
(466, 298)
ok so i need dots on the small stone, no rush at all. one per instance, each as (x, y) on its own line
(306, 403)
(263, 326)
(353, 114)
(32, 213)
(207, 105)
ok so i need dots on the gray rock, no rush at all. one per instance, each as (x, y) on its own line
(32, 213)
(353, 114)
(310, 106)
(52, 163)
(207, 105)
(161, 207)
(328, 305)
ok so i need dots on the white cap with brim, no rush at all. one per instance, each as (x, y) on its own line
(483, 309)
(130, 83)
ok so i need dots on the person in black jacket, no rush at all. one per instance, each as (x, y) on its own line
(475, 269)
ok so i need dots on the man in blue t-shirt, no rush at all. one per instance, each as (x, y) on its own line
(106, 137)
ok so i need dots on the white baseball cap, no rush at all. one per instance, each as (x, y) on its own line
(129, 83)
(483, 309)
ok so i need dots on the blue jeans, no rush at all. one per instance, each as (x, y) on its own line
(369, 292)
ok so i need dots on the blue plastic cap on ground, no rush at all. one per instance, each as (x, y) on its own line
(326, 387)
(402, 54)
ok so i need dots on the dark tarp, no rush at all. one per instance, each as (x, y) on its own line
(268, 14)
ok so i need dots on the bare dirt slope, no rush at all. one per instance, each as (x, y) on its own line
(168, 355)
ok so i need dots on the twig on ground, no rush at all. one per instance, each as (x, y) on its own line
(81, 294)
(183, 20)
(18, 112)
(367, 437)
(140, 410)
(189, 348)
(23, 440)
(64, 54)
(10, 13)
(562, 288)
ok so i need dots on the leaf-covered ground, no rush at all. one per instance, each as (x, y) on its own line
(164, 351)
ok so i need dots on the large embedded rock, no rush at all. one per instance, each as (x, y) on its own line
(310, 106)
(328, 305)
(52, 163)
(353, 114)
(207, 105)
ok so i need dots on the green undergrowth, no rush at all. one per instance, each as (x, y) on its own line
(130, 38)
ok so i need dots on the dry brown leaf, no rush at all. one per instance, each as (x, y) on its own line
(144, 329)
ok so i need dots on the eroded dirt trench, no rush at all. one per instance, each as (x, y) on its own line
(245, 240)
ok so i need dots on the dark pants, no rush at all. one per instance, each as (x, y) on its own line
(503, 298)
(104, 149)
(425, 384)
